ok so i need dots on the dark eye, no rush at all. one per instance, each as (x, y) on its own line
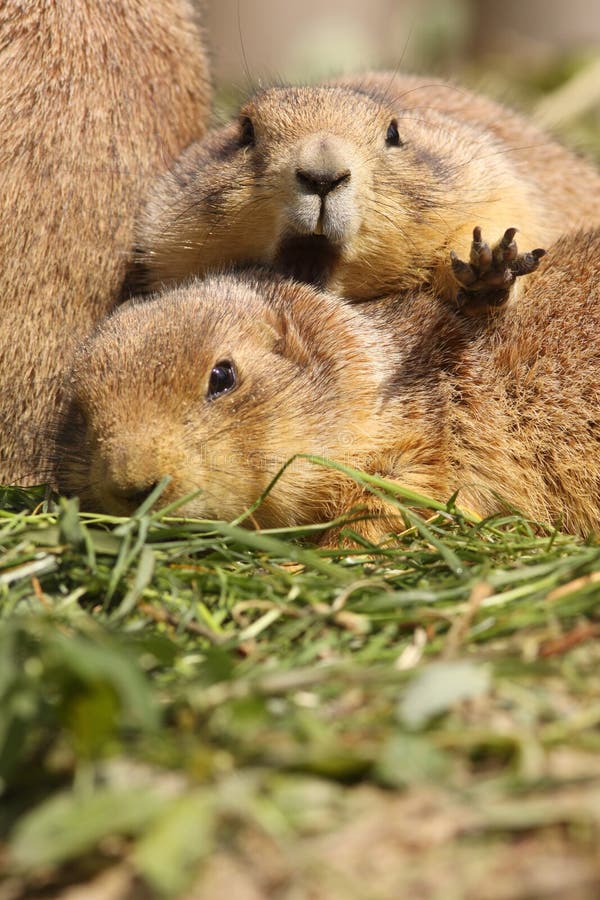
(392, 137)
(246, 132)
(222, 379)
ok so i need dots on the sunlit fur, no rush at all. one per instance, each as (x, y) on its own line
(464, 161)
(504, 410)
(96, 98)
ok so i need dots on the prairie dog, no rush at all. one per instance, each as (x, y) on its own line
(218, 383)
(96, 98)
(363, 186)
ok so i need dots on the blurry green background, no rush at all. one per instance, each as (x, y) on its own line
(541, 55)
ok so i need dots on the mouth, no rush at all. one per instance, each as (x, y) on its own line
(311, 258)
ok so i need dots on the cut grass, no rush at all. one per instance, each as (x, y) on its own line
(175, 693)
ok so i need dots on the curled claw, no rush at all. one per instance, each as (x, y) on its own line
(481, 255)
(508, 237)
(527, 262)
(506, 248)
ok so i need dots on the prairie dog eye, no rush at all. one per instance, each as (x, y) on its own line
(222, 379)
(392, 137)
(247, 136)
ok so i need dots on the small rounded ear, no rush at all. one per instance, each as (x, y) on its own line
(272, 327)
(292, 343)
(290, 315)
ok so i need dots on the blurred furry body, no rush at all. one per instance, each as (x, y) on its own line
(95, 100)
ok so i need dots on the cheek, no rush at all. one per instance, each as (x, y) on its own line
(231, 459)
(394, 192)
(279, 177)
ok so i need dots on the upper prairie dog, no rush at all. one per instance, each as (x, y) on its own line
(363, 186)
(96, 98)
(220, 382)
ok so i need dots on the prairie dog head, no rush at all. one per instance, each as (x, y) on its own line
(217, 384)
(348, 186)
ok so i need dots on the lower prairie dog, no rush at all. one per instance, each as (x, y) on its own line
(218, 383)
(364, 186)
(96, 98)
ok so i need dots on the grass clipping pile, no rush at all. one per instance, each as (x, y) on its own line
(190, 709)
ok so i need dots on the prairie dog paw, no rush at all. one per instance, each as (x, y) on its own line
(486, 280)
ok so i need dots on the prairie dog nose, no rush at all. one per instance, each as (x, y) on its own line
(321, 183)
(127, 495)
(323, 163)
(134, 493)
(128, 472)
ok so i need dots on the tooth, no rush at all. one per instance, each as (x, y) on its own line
(319, 225)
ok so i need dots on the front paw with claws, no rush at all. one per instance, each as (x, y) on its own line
(485, 281)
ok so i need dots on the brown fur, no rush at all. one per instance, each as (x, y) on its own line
(437, 402)
(390, 223)
(96, 98)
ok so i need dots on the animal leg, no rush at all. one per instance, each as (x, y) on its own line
(485, 281)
